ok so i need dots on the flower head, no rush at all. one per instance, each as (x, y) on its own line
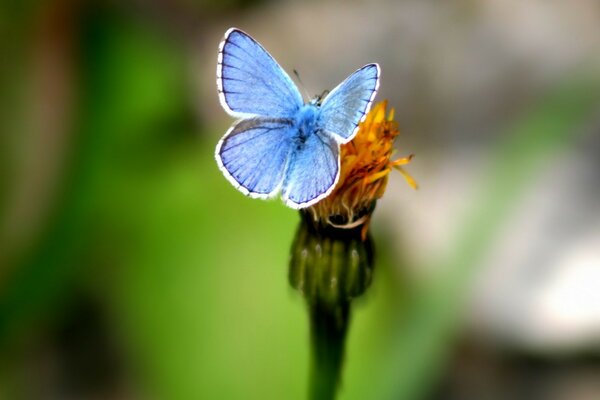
(364, 171)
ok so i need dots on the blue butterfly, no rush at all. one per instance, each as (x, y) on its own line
(281, 144)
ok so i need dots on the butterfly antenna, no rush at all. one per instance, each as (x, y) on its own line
(302, 84)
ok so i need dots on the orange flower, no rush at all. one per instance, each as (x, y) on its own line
(365, 167)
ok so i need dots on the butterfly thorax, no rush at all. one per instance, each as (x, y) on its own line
(306, 121)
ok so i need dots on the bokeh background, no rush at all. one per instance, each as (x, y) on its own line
(131, 269)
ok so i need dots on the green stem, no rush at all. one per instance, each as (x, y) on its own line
(329, 326)
(329, 267)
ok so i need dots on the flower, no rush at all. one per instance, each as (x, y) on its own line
(332, 253)
(364, 171)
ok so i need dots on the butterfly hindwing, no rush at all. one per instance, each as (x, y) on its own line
(254, 154)
(251, 82)
(348, 103)
(313, 171)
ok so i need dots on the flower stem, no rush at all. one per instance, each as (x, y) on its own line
(329, 326)
(330, 266)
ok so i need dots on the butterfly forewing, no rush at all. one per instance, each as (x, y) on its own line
(250, 82)
(346, 105)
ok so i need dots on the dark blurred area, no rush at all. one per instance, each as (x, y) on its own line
(130, 269)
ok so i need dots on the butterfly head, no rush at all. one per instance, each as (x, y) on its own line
(318, 99)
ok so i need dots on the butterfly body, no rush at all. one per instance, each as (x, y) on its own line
(307, 121)
(282, 145)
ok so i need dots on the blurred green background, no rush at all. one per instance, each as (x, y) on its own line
(130, 268)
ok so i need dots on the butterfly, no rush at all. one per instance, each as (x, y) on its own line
(280, 144)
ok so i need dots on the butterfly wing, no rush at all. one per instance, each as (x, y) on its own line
(254, 153)
(250, 82)
(346, 105)
(313, 171)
